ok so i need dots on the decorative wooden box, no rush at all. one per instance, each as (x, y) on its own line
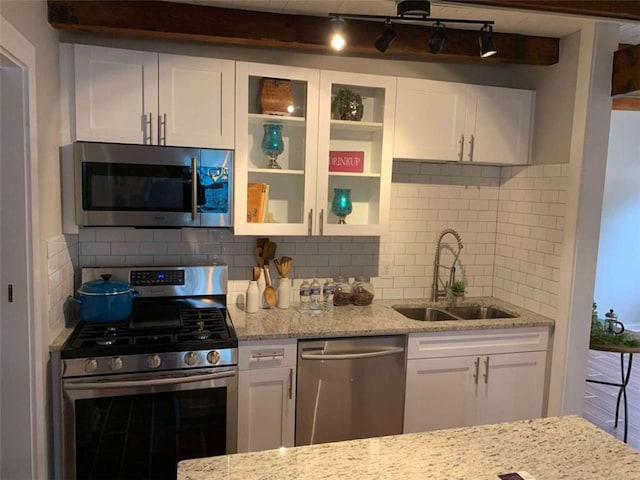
(276, 97)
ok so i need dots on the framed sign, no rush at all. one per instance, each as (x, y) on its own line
(346, 161)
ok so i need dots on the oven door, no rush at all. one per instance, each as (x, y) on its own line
(141, 426)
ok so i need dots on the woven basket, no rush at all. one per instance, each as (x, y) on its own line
(275, 96)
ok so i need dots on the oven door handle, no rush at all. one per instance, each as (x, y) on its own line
(147, 383)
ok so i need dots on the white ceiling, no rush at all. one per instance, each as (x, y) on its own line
(506, 21)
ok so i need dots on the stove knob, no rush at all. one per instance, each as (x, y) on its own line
(190, 358)
(90, 365)
(154, 361)
(116, 363)
(213, 356)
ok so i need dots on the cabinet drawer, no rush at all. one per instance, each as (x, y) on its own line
(456, 344)
(267, 354)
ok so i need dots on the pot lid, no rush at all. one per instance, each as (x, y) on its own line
(106, 286)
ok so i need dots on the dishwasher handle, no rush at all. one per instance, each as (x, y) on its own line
(349, 356)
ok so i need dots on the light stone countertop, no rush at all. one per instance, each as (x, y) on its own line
(351, 320)
(552, 448)
(375, 319)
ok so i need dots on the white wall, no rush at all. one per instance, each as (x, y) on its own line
(30, 19)
(618, 266)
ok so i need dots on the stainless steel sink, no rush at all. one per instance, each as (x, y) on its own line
(426, 314)
(474, 312)
(462, 312)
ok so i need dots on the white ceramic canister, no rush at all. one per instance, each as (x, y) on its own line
(284, 293)
(252, 299)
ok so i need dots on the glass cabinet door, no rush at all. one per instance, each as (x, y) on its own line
(355, 152)
(276, 149)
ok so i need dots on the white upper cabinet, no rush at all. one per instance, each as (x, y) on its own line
(116, 94)
(499, 125)
(196, 101)
(271, 98)
(297, 198)
(355, 155)
(127, 96)
(446, 121)
(430, 120)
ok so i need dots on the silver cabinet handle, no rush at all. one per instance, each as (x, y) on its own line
(150, 123)
(471, 145)
(486, 370)
(164, 116)
(310, 221)
(194, 189)
(291, 384)
(461, 147)
(475, 375)
(349, 356)
(322, 221)
(272, 356)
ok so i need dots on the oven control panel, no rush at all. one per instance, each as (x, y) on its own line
(141, 278)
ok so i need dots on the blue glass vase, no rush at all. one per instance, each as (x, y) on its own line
(341, 204)
(272, 143)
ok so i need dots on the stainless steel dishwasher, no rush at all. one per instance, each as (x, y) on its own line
(349, 388)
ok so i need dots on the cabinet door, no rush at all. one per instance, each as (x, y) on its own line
(266, 403)
(429, 120)
(511, 387)
(355, 154)
(440, 393)
(196, 102)
(116, 95)
(275, 201)
(498, 125)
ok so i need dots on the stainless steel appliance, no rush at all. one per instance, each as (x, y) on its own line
(139, 396)
(152, 186)
(349, 388)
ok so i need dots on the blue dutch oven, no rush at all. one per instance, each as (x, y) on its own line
(105, 301)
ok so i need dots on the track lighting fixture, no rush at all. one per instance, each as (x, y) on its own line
(413, 12)
(386, 38)
(486, 42)
(436, 42)
(338, 37)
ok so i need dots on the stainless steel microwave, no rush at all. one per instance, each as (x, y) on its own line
(152, 186)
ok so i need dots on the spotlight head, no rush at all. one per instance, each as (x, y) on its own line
(487, 48)
(436, 42)
(338, 38)
(386, 38)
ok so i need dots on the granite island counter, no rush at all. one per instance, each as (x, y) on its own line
(379, 318)
(554, 448)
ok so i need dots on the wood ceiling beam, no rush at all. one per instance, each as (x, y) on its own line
(626, 103)
(626, 71)
(618, 9)
(185, 21)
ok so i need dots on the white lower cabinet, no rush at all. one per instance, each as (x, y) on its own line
(457, 379)
(266, 394)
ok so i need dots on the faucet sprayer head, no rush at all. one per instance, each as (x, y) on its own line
(452, 232)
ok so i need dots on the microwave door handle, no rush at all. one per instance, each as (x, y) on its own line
(194, 189)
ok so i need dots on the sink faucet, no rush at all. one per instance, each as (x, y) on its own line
(436, 293)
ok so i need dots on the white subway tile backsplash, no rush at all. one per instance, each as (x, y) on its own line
(510, 220)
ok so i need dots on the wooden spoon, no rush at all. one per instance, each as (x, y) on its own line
(269, 252)
(279, 267)
(270, 294)
(256, 273)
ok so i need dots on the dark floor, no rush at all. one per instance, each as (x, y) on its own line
(600, 400)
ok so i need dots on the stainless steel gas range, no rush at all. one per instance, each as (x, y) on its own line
(141, 395)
